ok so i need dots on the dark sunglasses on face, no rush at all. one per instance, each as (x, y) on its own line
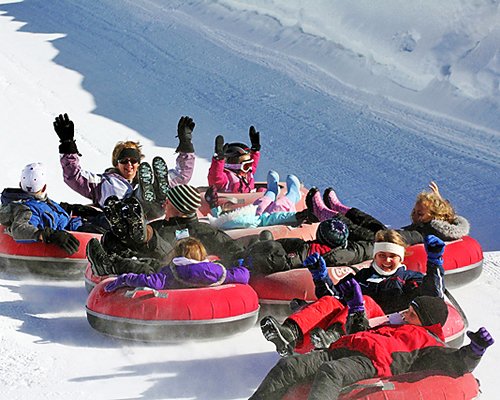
(132, 161)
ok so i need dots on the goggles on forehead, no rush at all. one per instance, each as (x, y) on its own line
(245, 166)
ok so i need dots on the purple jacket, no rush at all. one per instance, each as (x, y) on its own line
(184, 273)
(98, 187)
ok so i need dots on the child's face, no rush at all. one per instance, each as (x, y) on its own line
(386, 261)
(411, 317)
(420, 213)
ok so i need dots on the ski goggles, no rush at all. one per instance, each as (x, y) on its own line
(132, 161)
(245, 166)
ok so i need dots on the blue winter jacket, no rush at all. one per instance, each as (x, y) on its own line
(25, 217)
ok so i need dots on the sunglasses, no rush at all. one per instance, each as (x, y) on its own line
(132, 161)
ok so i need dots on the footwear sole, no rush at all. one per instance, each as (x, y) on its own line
(133, 214)
(272, 333)
(146, 182)
(160, 172)
(112, 212)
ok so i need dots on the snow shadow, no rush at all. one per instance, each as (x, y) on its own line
(212, 378)
(146, 65)
(38, 310)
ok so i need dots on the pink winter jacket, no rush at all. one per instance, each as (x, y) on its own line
(227, 181)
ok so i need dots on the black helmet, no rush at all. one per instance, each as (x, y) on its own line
(235, 150)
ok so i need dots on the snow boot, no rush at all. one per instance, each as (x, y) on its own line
(112, 212)
(101, 262)
(161, 185)
(272, 184)
(297, 304)
(322, 339)
(317, 207)
(332, 201)
(133, 214)
(293, 188)
(283, 336)
(145, 174)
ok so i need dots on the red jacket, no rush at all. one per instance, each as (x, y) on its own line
(227, 181)
(392, 348)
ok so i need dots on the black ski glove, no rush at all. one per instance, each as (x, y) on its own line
(254, 139)
(219, 147)
(80, 210)
(63, 239)
(185, 129)
(65, 129)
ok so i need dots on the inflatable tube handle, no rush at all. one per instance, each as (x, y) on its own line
(232, 200)
(379, 384)
(133, 293)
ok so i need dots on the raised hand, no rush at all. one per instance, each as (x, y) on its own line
(316, 266)
(480, 340)
(254, 139)
(352, 294)
(219, 147)
(64, 128)
(185, 129)
(434, 248)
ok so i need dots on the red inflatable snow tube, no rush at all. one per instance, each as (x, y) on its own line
(428, 385)
(43, 259)
(175, 314)
(462, 260)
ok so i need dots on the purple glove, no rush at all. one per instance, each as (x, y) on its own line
(316, 266)
(351, 292)
(480, 341)
(116, 284)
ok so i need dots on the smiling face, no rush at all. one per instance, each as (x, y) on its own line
(421, 213)
(128, 168)
(411, 317)
(387, 261)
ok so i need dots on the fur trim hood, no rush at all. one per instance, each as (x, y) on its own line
(452, 231)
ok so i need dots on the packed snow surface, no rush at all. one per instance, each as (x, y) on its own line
(372, 98)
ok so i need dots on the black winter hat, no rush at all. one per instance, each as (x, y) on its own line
(332, 232)
(430, 310)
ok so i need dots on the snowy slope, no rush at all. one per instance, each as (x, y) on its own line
(336, 103)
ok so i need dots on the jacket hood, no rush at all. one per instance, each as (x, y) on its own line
(452, 231)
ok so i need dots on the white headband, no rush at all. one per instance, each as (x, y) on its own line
(390, 248)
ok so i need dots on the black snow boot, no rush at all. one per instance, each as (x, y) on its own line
(136, 222)
(112, 211)
(297, 304)
(309, 204)
(283, 336)
(322, 339)
(161, 185)
(145, 174)
(100, 261)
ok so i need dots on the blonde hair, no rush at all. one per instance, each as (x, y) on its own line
(438, 207)
(190, 248)
(390, 236)
(129, 144)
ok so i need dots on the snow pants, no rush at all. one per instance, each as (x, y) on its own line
(329, 371)
(324, 313)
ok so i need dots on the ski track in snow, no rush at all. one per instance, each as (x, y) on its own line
(377, 154)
